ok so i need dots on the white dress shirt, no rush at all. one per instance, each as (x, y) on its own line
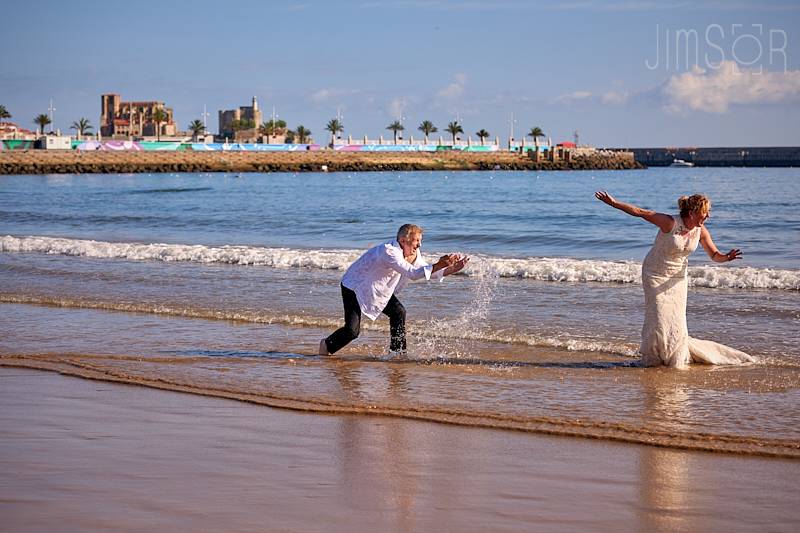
(382, 271)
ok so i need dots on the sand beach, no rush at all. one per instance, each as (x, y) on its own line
(84, 455)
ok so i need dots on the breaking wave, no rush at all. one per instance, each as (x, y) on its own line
(553, 269)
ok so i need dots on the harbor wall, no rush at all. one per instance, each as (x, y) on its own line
(742, 156)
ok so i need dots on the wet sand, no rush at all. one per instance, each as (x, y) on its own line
(83, 455)
(76, 161)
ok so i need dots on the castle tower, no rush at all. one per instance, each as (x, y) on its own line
(255, 105)
(109, 109)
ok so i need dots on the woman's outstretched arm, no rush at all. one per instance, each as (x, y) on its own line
(665, 222)
(713, 252)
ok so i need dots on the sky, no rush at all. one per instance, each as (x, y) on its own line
(620, 73)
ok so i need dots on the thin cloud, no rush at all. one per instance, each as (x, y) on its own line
(615, 98)
(327, 95)
(573, 97)
(453, 90)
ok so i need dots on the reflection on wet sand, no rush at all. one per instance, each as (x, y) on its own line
(386, 452)
(374, 454)
(664, 486)
(663, 474)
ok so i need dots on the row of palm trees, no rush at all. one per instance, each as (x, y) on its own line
(335, 127)
(81, 126)
(277, 127)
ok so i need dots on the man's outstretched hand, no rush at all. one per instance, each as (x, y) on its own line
(458, 264)
(451, 263)
(445, 261)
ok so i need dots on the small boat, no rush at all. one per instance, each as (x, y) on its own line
(681, 163)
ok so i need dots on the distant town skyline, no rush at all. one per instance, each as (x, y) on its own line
(669, 73)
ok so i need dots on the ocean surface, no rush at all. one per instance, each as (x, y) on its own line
(225, 283)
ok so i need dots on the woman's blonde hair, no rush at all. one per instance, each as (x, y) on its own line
(696, 203)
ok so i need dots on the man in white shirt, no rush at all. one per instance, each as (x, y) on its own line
(370, 284)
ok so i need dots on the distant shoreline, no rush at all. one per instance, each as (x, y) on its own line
(104, 162)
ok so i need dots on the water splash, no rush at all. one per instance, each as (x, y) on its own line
(453, 336)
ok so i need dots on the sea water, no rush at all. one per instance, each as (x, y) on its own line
(225, 283)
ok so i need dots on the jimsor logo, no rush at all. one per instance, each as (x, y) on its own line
(750, 46)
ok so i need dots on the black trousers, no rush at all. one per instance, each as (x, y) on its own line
(352, 323)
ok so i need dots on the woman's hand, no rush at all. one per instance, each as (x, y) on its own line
(604, 197)
(733, 254)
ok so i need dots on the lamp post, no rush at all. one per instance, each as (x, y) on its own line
(272, 129)
(50, 109)
(511, 122)
(205, 118)
(401, 117)
(339, 118)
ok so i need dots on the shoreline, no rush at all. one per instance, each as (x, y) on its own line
(91, 456)
(74, 366)
(104, 162)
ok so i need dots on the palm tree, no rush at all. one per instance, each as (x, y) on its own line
(427, 127)
(159, 116)
(242, 124)
(4, 113)
(536, 133)
(196, 127)
(42, 121)
(272, 128)
(482, 134)
(334, 126)
(302, 134)
(454, 128)
(395, 127)
(81, 127)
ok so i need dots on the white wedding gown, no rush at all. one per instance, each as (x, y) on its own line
(665, 337)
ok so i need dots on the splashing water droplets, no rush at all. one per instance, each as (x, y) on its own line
(451, 336)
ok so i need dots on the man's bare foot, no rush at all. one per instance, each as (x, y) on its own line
(323, 348)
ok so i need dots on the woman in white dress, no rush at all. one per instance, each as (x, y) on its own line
(665, 337)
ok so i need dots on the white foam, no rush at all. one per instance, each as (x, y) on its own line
(582, 271)
(535, 268)
(234, 255)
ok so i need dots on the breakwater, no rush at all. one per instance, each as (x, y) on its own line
(106, 162)
(742, 156)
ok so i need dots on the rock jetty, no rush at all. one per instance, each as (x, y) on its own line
(77, 162)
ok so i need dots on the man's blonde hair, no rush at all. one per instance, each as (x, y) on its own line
(406, 230)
